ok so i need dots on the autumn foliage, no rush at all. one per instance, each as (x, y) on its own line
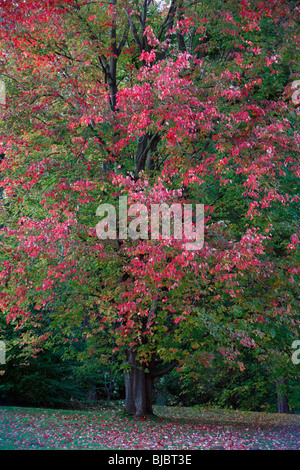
(160, 103)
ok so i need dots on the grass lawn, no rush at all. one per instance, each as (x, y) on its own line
(171, 428)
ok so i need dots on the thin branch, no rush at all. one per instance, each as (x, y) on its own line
(134, 31)
(169, 19)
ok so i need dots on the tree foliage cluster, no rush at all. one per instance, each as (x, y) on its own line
(161, 102)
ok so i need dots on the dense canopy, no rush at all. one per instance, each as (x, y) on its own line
(172, 102)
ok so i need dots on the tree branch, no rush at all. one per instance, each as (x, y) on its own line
(165, 371)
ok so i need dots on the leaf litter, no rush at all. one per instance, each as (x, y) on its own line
(171, 428)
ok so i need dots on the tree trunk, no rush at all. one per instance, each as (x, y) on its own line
(112, 83)
(92, 393)
(282, 401)
(145, 157)
(138, 387)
